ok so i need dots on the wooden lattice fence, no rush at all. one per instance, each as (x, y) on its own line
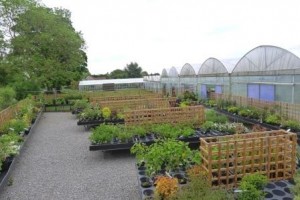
(124, 97)
(137, 104)
(191, 114)
(288, 110)
(226, 159)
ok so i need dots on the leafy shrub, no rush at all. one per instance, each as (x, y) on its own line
(252, 186)
(296, 188)
(166, 187)
(104, 133)
(106, 113)
(292, 124)
(199, 188)
(81, 104)
(164, 154)
(7, 97)
(273, 119)
(90, 114)
(191, 96)
(233, 109)
(213, 116)
(17, 126)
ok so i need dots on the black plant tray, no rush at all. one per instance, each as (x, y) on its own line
(5, 174)
(194, 141)
(238, 118)
(98, 122)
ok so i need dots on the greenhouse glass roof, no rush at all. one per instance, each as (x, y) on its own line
(187, 70)
(212, 66)
(173, 72)
(267, 60)
(164, 73)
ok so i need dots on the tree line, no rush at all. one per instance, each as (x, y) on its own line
(39, 47)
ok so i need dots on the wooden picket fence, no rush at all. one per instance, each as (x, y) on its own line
(227, 159)
(287, 110)
(137, 104)
(191, 114)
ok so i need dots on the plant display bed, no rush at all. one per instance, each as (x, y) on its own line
(99, 121)
(115, 144)
(8, 165)
(238, 118)
(58, 108)
(227, 159)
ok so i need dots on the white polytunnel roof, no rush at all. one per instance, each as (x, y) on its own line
(109, 81)
(212, 66)
(173, 72)
(267, 60)
(164, 72)
(187, 70)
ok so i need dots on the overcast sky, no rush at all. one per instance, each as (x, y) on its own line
(160, 34)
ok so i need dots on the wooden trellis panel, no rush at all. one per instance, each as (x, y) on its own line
(226, 159)
(124, 97)
(135, 104)
(191, 114)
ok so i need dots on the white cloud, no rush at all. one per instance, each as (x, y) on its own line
(165, 33)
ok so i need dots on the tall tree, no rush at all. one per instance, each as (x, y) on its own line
(47, 48)
(117, 74)
(133, 70)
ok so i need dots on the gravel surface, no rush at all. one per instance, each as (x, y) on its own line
(57, 164)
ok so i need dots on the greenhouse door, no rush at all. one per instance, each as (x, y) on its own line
(218, 89)
(253, 91)
(267, 92)
(203, 92)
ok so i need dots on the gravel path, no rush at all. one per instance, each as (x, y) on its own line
(56, 164)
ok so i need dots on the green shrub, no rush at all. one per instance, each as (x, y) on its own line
(7, 97)
(81, 104)
(106, 113)
(273, 119)
(296, 188)
(90, 114)
(233, 109)
(213, 116)
(104, 133)
(294, 125)
(252, 187)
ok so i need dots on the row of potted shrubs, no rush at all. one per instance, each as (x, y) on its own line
(12, 132)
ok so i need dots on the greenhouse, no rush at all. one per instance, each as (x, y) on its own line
(111, 84)
(266, 73)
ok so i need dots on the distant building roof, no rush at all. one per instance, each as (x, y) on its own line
(109, 81)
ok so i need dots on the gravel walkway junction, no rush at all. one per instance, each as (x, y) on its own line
(56, 164)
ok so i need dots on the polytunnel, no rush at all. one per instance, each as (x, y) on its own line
(267, 73)
(213, 76)
(187, 70)
(164, 73)
(267, 60)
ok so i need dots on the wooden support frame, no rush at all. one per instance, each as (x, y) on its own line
(226, 159)
(191, 114)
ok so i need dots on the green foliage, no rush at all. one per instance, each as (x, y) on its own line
(106, 113)
(47, 48)
(90, 114)
(233, 109)
(137, 130)
(296, 188)
(81, 104)
(252, 186)
(198, 188)
(17, 126)
(133, 70)
(294, 125)
(213, 116)
(273, 119)
(104, 133)
(7, 97)
(164, 154)
(189, 96)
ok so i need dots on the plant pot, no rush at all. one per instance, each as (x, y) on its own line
(146, 182)
(6, 163)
